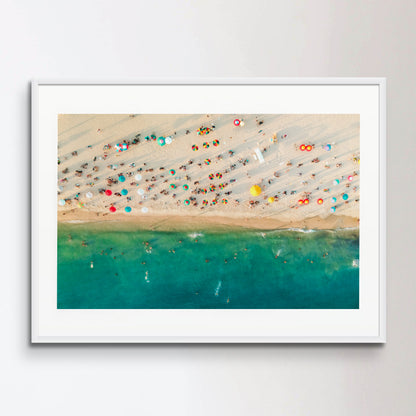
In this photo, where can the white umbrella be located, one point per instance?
(61, 202)
(88, 194)
(140, 191)
(138, 177)
(145, 209)
(168, 140)
(60, 188)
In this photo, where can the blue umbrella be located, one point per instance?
(334, 200)
(336, 182)
(124, 192)
(333, 209)
(121, 178)
(161, 141)
(328, 147)
(127, 209)
(345, 197)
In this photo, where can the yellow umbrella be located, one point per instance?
(270, 199)
(255, 190)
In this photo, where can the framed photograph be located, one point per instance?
(219, 210)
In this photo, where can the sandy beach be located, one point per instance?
(306, 168)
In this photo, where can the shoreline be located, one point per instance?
(177, 222)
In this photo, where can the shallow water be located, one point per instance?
(199, 269)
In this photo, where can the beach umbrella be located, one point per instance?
(172, 172)
(145, 210)
(81, 204)
(108, 192)
(255, 190)
(147, 138)
(61, 202)
(205, 202)
(194, 147)
(138, 177)
(127, 209)
(333, 209)
(88, 194)
(168, 140)
(204, 191)
(140, 191)
(212, 188)
(306, 201)
(172, 186)
(216, 143)
(218, 175)
(350, 178)
(224, 201)
(333, 200)
(113, 209)
(60, 188)
(121, 178)
(187, 202)
(207, 161)
(185, 187)
(221, 186)
(237, 122)
(206, 145)
(300, 202)
(308, 148)
(161, 141)
(320, 201)
(124, 146)
(302, 147)
(124, 192)
(336, 182)
(328, 147)
(211, 176)
(241, 123)
(214, 201)
(153, 137)
(270, 199)
(345, 197)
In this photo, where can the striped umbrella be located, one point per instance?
(216, 143)
(194, 147)
(212, 188)
(206, 145)
(211, 176)
(204, 191)
(207, 161)
(218, 175)
(224, 201)
(214, 201)
(205, 202)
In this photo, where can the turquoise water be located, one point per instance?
(221, 269)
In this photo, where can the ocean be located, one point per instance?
(117, 266)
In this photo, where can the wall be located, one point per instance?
(125, 40)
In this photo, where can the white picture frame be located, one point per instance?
(366, 96)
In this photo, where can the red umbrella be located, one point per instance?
(237, 122)
(112, 209)
(108, 192)
(302, 147)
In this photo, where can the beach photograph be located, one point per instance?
(208, 211)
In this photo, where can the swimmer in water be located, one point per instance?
(92, 265)
(84, 244)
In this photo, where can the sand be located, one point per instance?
(287, 174)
